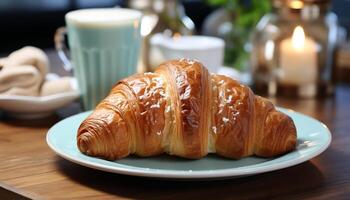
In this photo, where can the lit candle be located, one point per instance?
(298, 59)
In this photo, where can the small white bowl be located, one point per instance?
(31, 107)
(208, 50)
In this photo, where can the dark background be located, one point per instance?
(33, 22)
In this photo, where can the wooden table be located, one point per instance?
(29, 169)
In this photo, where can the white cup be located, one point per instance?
(207, 50)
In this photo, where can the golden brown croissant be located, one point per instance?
(183, 110)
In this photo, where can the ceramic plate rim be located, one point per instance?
(200, 174)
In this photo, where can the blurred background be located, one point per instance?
(27, 22)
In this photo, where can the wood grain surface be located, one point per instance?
(29, 169)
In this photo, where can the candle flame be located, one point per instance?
(176, 36)
(298, 38)
(296, 4)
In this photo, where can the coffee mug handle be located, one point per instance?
(61, 48)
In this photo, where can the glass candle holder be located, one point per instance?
(160, 16)
(293, 49)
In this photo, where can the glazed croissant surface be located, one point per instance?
(182, 110)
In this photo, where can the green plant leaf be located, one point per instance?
(247, 14)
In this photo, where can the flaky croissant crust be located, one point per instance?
(183, 110)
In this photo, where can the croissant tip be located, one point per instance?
(83, 142)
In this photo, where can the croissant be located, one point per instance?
(182, 110)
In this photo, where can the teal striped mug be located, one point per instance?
(104, 46)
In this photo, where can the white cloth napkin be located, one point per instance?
(63, 84)
(20, 80)
(23, 73)
(29, 56)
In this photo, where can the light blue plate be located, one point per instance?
(313, 138)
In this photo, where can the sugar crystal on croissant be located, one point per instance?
(182, 110)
